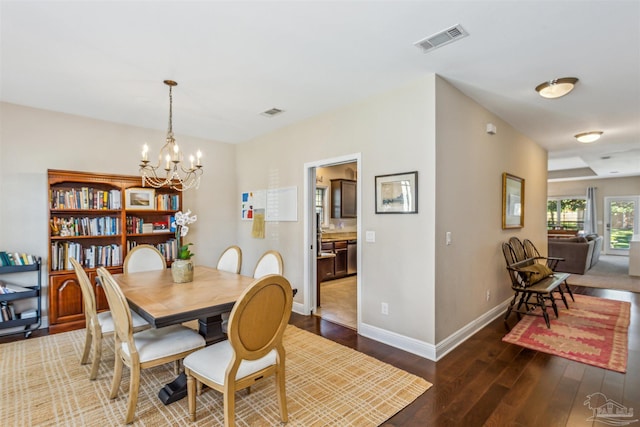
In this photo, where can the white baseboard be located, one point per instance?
(430, 351)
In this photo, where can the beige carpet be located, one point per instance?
(43, 384)
(611, 272)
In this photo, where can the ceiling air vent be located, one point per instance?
(442, 38)
(272, 112)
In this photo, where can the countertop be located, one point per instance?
(337, 236)
(323, 255)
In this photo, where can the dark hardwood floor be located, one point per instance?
(487, 382)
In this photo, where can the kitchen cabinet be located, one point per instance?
(340, 249)
(343, 198)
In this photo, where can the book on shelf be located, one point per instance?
(9, 288)
(28, 314)
(161, 226)
(16, 258)
(6, 312)
(147, 228)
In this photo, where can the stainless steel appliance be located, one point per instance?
(352, 257)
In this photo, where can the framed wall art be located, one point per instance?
(140, 199)
(512, 201)
(397, 193)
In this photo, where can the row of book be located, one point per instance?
(102, 226)
(167, 202)
(8, 312)
(169, 249)
(8, 288)
(90, 256)
(137, 225)
(85, 198)
(15, 258)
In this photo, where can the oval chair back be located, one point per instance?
(256, 328)
(143, 258)
(230, 260)
(269, 263)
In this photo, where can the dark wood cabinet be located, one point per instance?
(343, 198)
(340, 249)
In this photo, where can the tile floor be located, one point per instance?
(338, 300)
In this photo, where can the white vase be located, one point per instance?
(182, 270)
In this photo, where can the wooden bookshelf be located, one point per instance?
(91, 218)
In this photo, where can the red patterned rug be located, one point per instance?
(592, 331)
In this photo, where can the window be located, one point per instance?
(566, 213)
(321, 193)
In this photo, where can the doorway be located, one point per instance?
(333, 222)
(621, 223)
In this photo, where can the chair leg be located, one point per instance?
(176, 367)
(543, 305)
(229, 406)
(282, 395)
(134, 386)
(564, 299)
(87, 347)
(553, 304)
(569, 290)
(97, 355)
(117, 376)
(191, 394)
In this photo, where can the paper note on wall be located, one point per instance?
(250, 201)
(257, 231)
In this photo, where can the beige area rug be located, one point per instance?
(611, 272)
(43, 384)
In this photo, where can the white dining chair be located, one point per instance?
(269, 263)
(97, 325)
(230, 260)
(253, 351)
(140, 350)
(143, 258)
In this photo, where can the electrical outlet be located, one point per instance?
(488, 294)
(384, 308)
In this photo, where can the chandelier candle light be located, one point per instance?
(182, 267)
(170, 160)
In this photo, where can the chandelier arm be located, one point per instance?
(170, 161)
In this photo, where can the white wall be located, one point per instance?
(394, 132)
(33, 140)
(469, 167)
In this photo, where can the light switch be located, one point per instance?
(448, 237)
(370, 236)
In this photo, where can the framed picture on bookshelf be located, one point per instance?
(140, 199)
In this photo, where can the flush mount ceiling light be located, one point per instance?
(587, 137)
(557, 87)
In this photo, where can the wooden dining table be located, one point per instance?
(161, 302)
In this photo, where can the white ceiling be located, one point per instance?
(236, 59)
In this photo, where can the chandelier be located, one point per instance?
(171, 171)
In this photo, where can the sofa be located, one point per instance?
(579, 253)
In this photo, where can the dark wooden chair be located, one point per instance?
(552, 262)
(528, 294)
